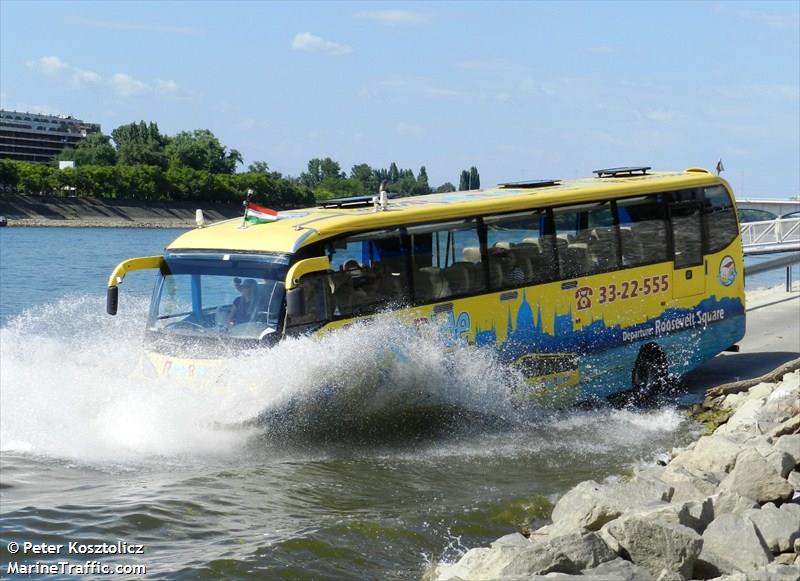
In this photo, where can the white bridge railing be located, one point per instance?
(782, 235)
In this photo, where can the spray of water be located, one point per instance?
(72, 387)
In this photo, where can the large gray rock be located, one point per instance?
(695, 514)
(590, 505)
(585, 506)
(746, 418)
(731, 503)
(791, 445)
(585, 549)
(782, 462)
(514, 555)
(617, 570)
(794, 480)
(715, 454)
(685, 491)
(790, 426)
(731, 544)
(651, 541)
(511, 540)
(705, 482)
(482, 564)
(753, 477)
(779, 527)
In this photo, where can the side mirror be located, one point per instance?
(295, 302)
(112, 300)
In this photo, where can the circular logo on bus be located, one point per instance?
(727, 271)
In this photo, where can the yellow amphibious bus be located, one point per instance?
(600, 284)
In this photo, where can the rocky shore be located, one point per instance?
(50, 211)
(726, 507)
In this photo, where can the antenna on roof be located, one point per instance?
(381, 201)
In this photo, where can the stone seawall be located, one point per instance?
(726, 507)
(39, 211)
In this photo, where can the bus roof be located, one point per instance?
(298, 228)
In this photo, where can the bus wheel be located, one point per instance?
(650, 372)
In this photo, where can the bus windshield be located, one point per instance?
(219, 294)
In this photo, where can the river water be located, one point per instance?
(92, 453)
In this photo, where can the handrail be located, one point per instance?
(780, 231)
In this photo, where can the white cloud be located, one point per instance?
(394, 16)
(49, 65)
(53, 66)
(122, 84)
(126, 86)
(168, 87)
(311, 43)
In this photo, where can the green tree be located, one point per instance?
(319, 170)
(200, 150)
(445, 187)
(140, 144)
(422, 182)
(463, 182)
(94, 149)
(368, 178)
(9, 174)
(35, 178)
(394, 174)
(258, 167)
(474, 178)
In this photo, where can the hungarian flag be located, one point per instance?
(255, 214)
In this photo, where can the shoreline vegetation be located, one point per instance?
(725, 507)
(138, 165)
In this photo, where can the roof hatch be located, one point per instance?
(529, 184)
(622, 172)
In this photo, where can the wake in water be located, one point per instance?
(72, 388)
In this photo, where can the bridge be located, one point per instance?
(778, 208)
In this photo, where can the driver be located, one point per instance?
(243, 306)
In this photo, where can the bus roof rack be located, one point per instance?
(618, 172)
(531, 184)
(349, 202)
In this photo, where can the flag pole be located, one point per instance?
(246, 204)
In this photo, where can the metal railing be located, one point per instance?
(782, 235)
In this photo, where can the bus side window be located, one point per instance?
(643, 230)
(369, 273)
(587, 240)
(316, 300)
(520, 253)
(719, 219)
(446, 260)
(687, 227)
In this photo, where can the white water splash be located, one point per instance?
(71, 389)
(70, 386)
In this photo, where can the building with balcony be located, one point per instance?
(39, 138)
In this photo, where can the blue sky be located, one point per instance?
(520, 89)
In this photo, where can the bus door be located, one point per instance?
(686, 223)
